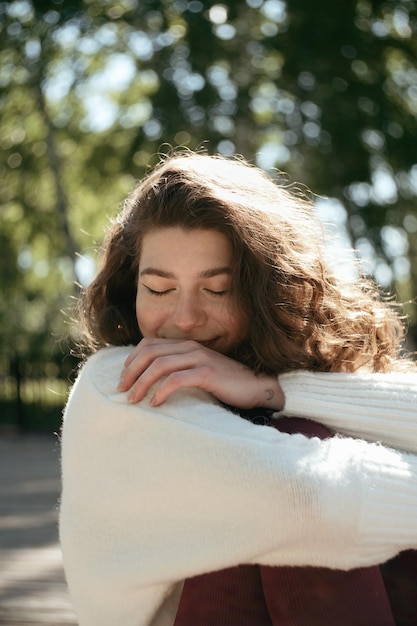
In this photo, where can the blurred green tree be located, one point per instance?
(90, 92)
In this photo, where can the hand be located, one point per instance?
(185, 363)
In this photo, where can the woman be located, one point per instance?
(218, 276)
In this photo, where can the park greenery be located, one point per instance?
(92, 91)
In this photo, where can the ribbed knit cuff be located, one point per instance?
(378, 407)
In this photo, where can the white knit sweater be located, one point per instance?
(153, 496)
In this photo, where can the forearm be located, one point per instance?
(154, 496)
(191, 473)
(188, 499)
(377, 407)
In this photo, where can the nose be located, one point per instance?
(189, 313)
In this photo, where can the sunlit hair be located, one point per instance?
(300, 314)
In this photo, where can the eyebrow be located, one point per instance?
(215, 271)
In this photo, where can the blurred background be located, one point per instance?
(92, 91)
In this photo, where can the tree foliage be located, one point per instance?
(91, 91)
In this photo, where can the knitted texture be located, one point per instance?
(153, 496)
(379, 407)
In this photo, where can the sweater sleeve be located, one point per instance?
(377, 407)
(153, 496)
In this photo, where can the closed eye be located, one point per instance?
(217, 293)
(153, 292)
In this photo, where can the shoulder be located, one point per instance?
(99, 377)
(102, 370)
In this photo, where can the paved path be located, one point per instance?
(32, 585)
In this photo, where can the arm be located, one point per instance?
(377, 407)
(151, 496)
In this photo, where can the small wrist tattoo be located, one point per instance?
(269, 394)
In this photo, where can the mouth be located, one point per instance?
(210, 343)
(207, 343)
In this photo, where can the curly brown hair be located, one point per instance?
(300, 314)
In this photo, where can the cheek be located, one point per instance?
(241, 329)
(151, 315)
(237, 324)
(242, 321)
(147, 320)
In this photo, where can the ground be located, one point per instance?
(32, 584)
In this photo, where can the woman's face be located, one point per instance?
(184, 282)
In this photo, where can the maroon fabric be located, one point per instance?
(286, 596)
(399, 574)
(231, 597)
(312, 596)
(400, 578)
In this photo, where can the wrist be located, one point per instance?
(270, 394)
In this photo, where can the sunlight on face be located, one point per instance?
(184, 288)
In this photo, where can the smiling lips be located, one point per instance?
(210, 343)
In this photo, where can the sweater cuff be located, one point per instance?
(377, 407)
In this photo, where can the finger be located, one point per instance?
(148, 342)
(159, 368)
(149, 353)
(139, 359)
(195, 377)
